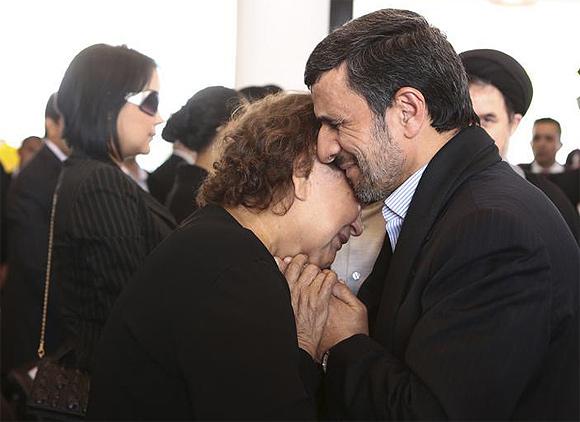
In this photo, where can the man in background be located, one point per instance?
(501, 92)
(28, 212)
(28, 149)
(546, 142)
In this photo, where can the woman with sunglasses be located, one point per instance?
(105, 224)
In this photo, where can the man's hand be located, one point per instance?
(347, 316)
(310, 290)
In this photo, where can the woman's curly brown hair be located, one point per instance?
(262, 146)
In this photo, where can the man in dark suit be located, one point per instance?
(4, 184)
(473, 303)
(546, 142)
(28, 210)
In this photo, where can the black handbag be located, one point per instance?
(58, 392)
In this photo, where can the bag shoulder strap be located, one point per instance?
(41, 351)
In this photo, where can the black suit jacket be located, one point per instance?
(569, 182)
(4, 184)
(105, 226)
(181, 201)
(476, 314)
(161, 180)
(527, 167)
(28, 212)
(559, 199)
(205, 331)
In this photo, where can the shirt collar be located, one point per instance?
(55, 150)
(187, 157)
(399, 201)
(554, 168)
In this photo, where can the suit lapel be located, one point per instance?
(469, 152)
(371, 291)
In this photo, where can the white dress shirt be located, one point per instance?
(397, 205)
(553, 169)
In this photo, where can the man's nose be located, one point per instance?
(327, 146)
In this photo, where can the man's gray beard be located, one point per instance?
(382, 173)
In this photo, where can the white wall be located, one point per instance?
(193, 43)
(275, 38)
(543, 37)
(236, 43)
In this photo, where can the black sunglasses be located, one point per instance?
(147, 101)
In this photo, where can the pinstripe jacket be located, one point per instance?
(105, 226)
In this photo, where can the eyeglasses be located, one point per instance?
(147, 101)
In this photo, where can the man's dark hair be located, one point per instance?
(92, 93)
(51, 112)
(390, 49)
(552, 121)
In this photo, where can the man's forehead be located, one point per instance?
(331, 93)
(545, 126)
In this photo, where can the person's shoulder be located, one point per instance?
(214, 240)
(42, 166)
(105, 174)
(500, 187)
(86, 179)
(218, 228)
(168, 166)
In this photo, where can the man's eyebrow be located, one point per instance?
(328, 120)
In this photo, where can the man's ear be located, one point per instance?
(515, 122)
(410, 110)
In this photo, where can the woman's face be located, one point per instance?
(136, 128)
(326, 212)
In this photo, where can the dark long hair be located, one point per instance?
(92, 93)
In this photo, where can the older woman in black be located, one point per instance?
(206, 330)
(105, 224)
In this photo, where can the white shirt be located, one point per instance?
(55, 150)
(553, 169)
(186, 156)
(355, 261)
(397, 205)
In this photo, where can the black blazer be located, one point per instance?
(475, 316)
(161, 180)
(559, 199)
(527, 167)
(105, 226)
(28, 212)
(4, 184)
(205, 331)
(181, 200)
(569, 182)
